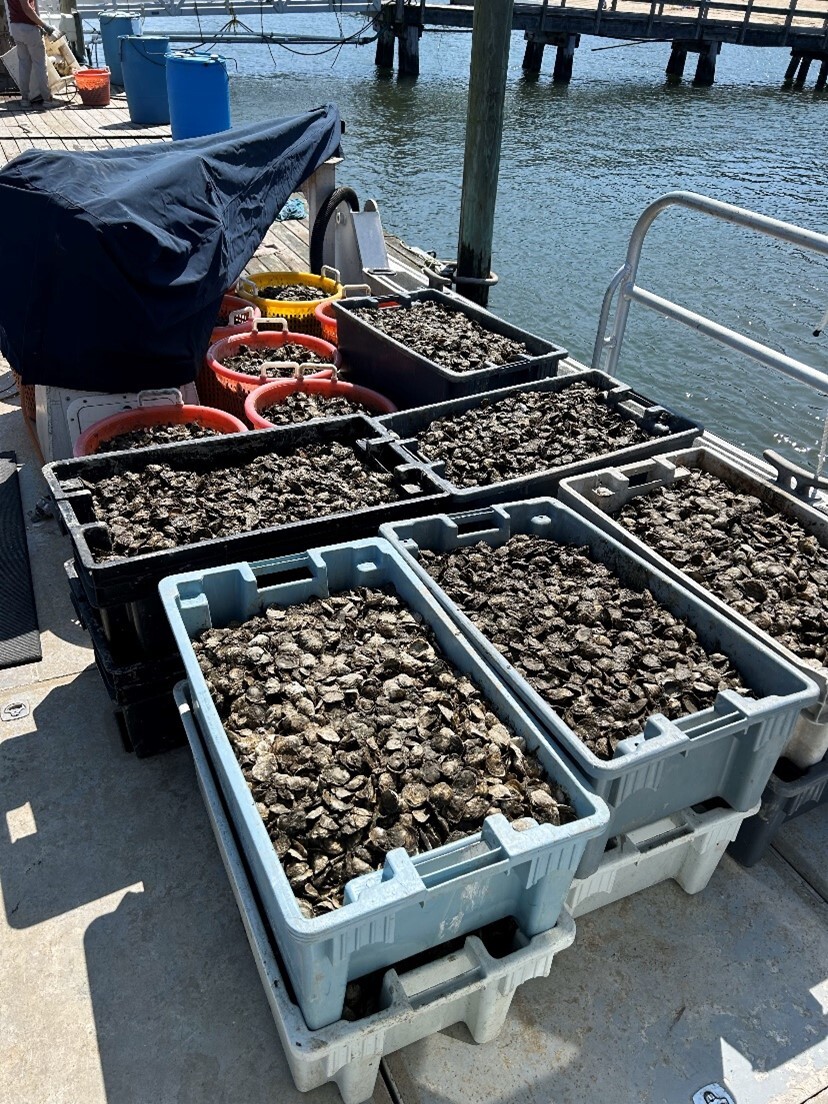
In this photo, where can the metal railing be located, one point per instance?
(607, 350)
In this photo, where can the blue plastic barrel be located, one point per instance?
(198, 89)
(144, 63)
(113, 25)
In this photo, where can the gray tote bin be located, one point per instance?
(600, 495)
(727, 751)
(412, 903)
(410, 379)
(666, 430)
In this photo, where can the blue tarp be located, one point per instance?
(115, 261)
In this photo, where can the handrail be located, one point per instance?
(623, 284)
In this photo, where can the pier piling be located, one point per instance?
(706, 67)
(564, 59)
(675, 66)
(533, 56)
(802, 75)
(384, 56)
(491, 35)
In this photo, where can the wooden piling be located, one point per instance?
(802, 75)
(706, 67)
(408, 63)
(675, 66)
(822, 76)
(793, 65)
(384, 55)
(564, 59)
(491, 34)
(533, 56)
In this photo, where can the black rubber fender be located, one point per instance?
(323, 217)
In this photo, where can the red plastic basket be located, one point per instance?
(92, 438)
(279, 390)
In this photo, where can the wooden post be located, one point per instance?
(793, 65)
(802, 75)
(409, 53)
(491, 35)
(675, 66)
(564, 59)
(706, 68)
(67, 8)
(384, 56)
(533, 56)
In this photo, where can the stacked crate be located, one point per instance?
(421, 928)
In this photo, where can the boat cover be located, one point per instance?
(116, 260)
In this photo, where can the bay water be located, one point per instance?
(578, 166)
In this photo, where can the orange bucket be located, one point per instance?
(93, 86)
(127, 420)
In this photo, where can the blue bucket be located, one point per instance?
(145, 77)
(198, 89)
(113, 25)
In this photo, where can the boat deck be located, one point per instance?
(127, 977)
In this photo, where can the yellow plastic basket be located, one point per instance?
(300, 315)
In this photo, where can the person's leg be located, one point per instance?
(41, 79)
(24, 58)
(33, 78)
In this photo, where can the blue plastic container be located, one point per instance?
(198, 89)
(144, 65)
(413, 903)
(113, 26)
(726, 751)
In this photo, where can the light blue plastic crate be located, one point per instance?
(413, 903)
(601, 494)
(726, 751)
(466, 985)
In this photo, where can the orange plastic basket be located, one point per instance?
(93, 86)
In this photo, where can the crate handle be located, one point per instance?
(464, 966)
(270, 325)
(356, 289)
(171, 394)
(286, 570)
(793, 477)
(289, 367)
(239, 315)
(477, 522)
(333, 274)
(247, 287)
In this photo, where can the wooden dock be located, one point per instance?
(696, 26)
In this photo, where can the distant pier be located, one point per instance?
(697, 27)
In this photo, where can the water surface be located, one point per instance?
(579, 164)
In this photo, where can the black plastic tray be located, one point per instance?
(141, 693)
(124, 590)
(668, 430)
(789, 793)
(378, 361)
